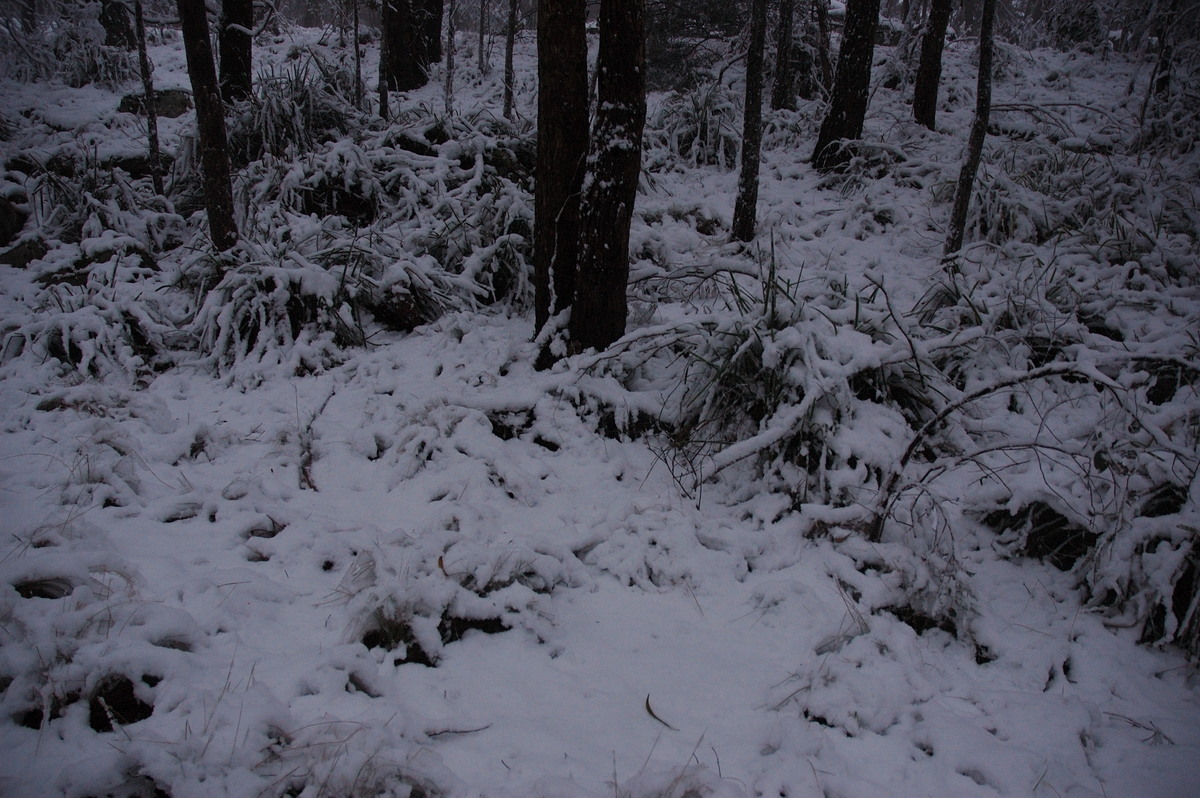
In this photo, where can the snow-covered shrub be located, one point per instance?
(72, 50)
(307, 288)
(698, 127)
(337, 179)
(292, 112)
(812, 388)
(1085, 442)
(71, 193)
(93, 313)
(479, 231)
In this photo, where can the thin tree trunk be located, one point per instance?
(745, 208)
(358, 81)
(234, 47)
(561, 152)
(929, 69)
(599, 313)
(783, 93)
(821, 9)
(510, 40)
(383, 76)
(210, 118)
(851, 87)
(983, 106)
(483, 62)
(139, 25)
(451, 31)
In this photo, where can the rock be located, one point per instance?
(137, 165)
(24, 252)
(12, 220)
(168, 103)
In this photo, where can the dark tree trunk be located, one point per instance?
(400, 67)
(451, 32)
(139, 24)
(561, 152)
(745, 208)
(29, 16)
(358, 81)
(429, 17)
(851, 87)
(412, 30)
(783, 94)
(214, 149)
(118, 30)
(234, 47)
(483, 61)
(983, 105)
(929, 68)
(614, 165)
(384, 61)
(510, 40)
(821, 11)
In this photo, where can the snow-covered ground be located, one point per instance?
(423, 568)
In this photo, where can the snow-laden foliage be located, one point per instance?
(72, 50)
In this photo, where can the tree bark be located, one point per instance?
(983, 105)
(118, 31)
(821, 11)
(783, 94)
(234, 47)
(851, 87)
(745, 208)
(358, 81)
(929, 68)
(510, 40)
(561, 152)
(614, 165)
(483, 61)
(430, 13)
(412, 30)
(214, 147)
(451, 32)
(139, 25)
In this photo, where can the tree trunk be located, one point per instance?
(139, 24)
(614, 164)
(451, 32)
(118, 31)
(214, 148)
(384, 61)
(430, 20)
(413, 33)
(561, 152)
(983, 105)
(358, 81)
(783, 94)
(929, 69)
(510, 40)
(851, 87)
(29, 16)
(821, 11)
(234, 46)
(483, 61)
(745, 208)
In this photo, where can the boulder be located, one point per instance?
(168, 103)
(12, 220)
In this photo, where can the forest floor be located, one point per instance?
(421, 567)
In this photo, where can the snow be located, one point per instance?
(422, 567)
